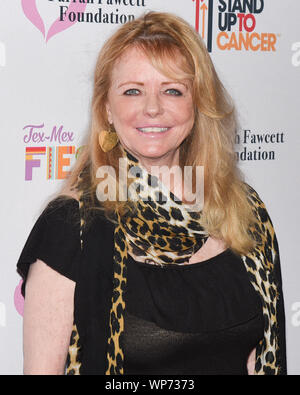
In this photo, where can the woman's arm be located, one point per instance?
(251, 362)
(48, 320)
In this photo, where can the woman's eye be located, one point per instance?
(174, 92)
(132, 92)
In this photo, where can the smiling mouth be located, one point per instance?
(153, 129)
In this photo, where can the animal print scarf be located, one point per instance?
(163, 231)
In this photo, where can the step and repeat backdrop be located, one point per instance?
(48, 50)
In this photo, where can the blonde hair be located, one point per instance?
(227, 213)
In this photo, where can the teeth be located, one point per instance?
(152, 130)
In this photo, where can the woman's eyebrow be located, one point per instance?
(131, 82)
(163, 83)
(175, 82)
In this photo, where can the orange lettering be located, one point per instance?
(220, 36)
(248, 41)
(61, 161)
(255, 47)
(264, 41)
(232, 42)
(244, 41)
(272, 42)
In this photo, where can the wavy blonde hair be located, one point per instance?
(227, 214)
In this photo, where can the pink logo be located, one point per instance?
(18, 299)
(31, 12)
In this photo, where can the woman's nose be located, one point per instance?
(153, 105)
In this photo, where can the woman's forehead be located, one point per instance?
(134, 59)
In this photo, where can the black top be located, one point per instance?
(202, 318)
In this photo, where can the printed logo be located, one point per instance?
(31, 12)
(204, 14)
(255, 146)
(57, 158)
(235, 26)
(100, 11)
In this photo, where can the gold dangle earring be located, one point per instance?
(108, 139)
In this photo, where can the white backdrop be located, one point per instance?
(47, 58)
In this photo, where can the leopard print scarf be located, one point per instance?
(163, 234)
(161, 230)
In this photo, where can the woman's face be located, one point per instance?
(151, 113)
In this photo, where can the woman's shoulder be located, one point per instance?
(257, 203)
(65, 199)
(54, 239)
(252, 194)
(58, 210)
(263, 230)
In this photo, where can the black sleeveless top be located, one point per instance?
(201, 318)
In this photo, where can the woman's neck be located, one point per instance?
(153, 165)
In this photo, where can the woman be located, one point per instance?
(145, 284)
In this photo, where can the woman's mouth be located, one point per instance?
(153, 129)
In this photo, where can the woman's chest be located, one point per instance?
(198, 319)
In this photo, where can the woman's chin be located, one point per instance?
(152, 153)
